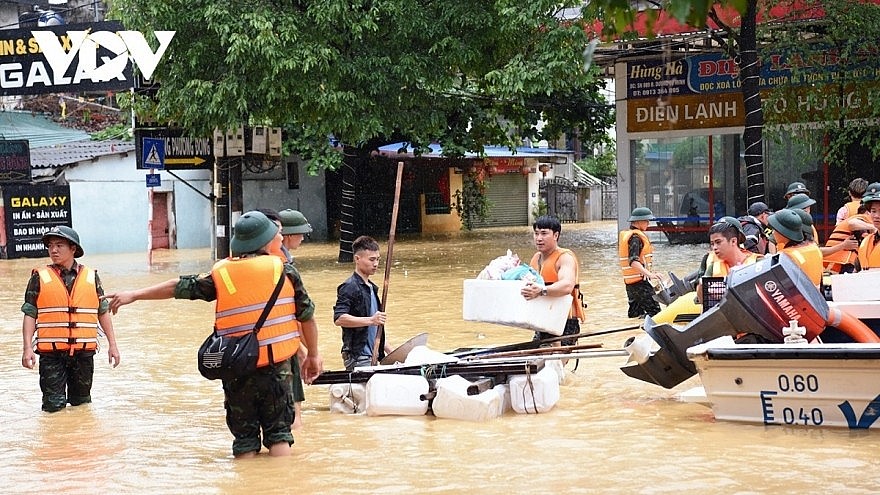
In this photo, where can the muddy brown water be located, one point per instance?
(156, 426)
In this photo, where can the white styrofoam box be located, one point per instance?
(452, 401)
(504, 391)
(348, 398)
(557, 366)
(397, 395)
(860, 309)
(855, 286)
(500, 301)
(535, 393)
(420, 354)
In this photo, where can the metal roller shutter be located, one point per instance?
(509, 194)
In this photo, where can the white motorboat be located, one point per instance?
(791, 384)
(821, 377)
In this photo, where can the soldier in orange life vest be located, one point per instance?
(62, 308)
(856, 190)
(846, 238)
(289, 243)
(869, 255)
(788, 229)
(636, 261)
(560, 270)
(242, 285)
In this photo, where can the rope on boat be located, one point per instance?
(531, 389)
(350, 396)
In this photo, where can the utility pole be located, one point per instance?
(221, 206)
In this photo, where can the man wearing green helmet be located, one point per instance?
(63, 310)
(259, 405)
(636, 261)
(294, 228)
(869, 255)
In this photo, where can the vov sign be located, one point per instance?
(77, 57)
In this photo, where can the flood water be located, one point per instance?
(156, 426)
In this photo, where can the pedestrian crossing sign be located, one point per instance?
(154, 153)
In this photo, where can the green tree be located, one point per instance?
(463, 73)
(602, 164)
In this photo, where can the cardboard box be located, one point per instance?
(499, 301)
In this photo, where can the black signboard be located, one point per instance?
(15, 161)
(181, 152)
(27, 71)
(30, 211)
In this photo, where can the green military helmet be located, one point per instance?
(806, 221)
(797, 188)
(788, 223)
(252, 231)
(641, 213)
(64, 232)
(294, 222)
(872, 193)
(733, 222)
(799, 202)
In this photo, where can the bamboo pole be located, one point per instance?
(388, 258)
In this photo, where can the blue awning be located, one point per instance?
(405, 150)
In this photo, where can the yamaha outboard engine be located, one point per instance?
(761, 299)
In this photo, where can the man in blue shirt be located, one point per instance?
(357, 307)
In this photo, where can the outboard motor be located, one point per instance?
(676, 289)
(761, 299)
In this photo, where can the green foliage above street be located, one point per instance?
(603, 163)
(460, 72)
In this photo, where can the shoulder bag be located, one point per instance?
(227, 357)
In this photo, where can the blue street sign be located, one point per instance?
(154, 180)
(154, 153)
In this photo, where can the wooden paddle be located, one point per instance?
(381, 329)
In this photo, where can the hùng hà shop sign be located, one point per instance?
(77, 57)
(29, 212)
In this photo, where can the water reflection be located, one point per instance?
(156, 426)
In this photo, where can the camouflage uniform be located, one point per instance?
(258, 401)
(263, 400)
(63, 378)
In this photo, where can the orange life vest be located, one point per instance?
(549, 274)
(869, 255)
(835, 261)
(67, 322)
(244, 286)
(780, 246)
(852, 208)
(809, 258)
(646, 256)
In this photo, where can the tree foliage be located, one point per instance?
(603, 163)
(460, 72)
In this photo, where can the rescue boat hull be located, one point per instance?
(813, 385)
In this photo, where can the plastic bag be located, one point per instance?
(496, 268)
(523, 272)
